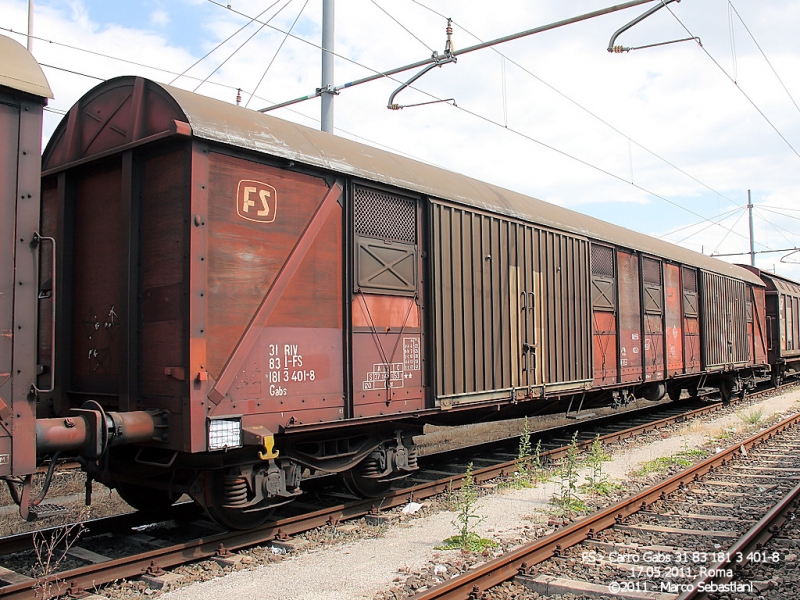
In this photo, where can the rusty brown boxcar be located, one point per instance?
(244, 301)
(782, 323)
(23, 94)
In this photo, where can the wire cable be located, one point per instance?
(583, 108)
(215, 48)
(730, 229)
(752, 37)
(750, 100)
(718, 219)
(770, 210)
(244, 43)
(733, 42)
(491, 121)
(779, 207)
(71, 71)
(406, 29)
(780, 230)
(118, 59)
(274, 56)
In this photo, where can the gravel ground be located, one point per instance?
(394, 561)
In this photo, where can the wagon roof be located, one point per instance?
(20, 71)
(779, 282)
(224, 123)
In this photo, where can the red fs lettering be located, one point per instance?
(256, 201)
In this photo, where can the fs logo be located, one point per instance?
(256, 201)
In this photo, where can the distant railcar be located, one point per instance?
(243, 300)
(782, 324)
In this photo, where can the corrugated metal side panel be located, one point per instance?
(476, 343)
(565, 351)
(512, 306)
(724, 320)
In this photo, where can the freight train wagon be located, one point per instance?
(261, 301)
(782, 324)
(23, 94)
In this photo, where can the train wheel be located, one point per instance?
(655, 392)
(365, 487)
(144, 499)
(776, 378)
(726, 390)
(675, 394)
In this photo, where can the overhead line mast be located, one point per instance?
(436, 57)
(327, 88)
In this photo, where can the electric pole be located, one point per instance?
(327, 91)
(30, 26)
(752, 238)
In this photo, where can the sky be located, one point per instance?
(665, 140)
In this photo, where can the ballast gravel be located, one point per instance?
(401, 557)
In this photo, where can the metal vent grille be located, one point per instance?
(386, 216)
(689, 280)
(651, 271)
(602, 261)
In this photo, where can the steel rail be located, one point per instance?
(752, 540)
(505, 567)
(23, 541)
(93, 575)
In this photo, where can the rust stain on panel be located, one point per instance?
(371, 310)
(630, 343)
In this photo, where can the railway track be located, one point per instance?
(677, 537)
(193, 540)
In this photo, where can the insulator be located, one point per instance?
(238, 96)
(620, 49)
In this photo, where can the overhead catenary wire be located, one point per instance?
(218, 84)
(71, 72)
(566, 154)
(406, 29)
(781, 231)
(730, 229)
(244, 43)
(274, 56)
(738, 87)
(732, 37)
(755, 41)
(119, 59)
(718, 218)
(772, 210)
(389, 75)
(581, 107)
(223, 42)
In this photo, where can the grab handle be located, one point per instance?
(38, 239)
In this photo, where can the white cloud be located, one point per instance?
(159, 18)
